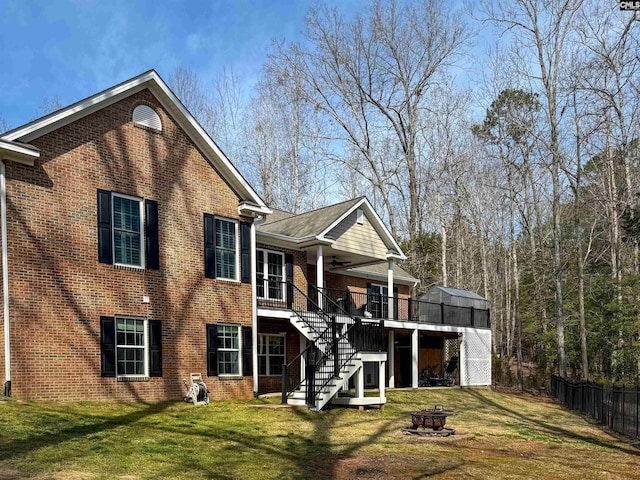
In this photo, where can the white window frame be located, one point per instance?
(113, 230)
(266, 354)
(145, 347)
(221, 349)
(237, 248)
(265, 273)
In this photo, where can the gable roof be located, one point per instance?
(309, 224)
(316, 224)
(251, 201)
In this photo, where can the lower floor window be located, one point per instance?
(130, 346)
(271, 354)
(228, 349)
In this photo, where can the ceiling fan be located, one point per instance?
(338, 263)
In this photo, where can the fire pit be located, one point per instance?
(430, 421)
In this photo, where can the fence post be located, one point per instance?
(637, 410)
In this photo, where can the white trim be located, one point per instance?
(218, 350)
(248, 209)
(18, 153)
(359, 216)
(143, 257)
(5, 274)
(266, 355)
(237, 256)
(168, 100)
(145, 347)
(254, 311)
(265, 273)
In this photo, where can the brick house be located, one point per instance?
(134, 253)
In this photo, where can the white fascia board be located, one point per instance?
(297, 243)
(80, 109)
(169, 101)
(375, 276)
(18, 153)
(364, 202)
(247, 209)
(233, 175)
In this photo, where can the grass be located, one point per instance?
(498, 436)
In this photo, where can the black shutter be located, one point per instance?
(212, 350)
(209, 246)
(105, 254)
(107, 347)
(245, 252)
(247, 358)
(288, 272)
(155, 348)
(395, 303)
(151, 234)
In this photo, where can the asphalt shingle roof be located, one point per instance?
(305, 224)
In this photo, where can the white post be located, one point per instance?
(320, 273)
(5, 279)
(381, 379)
(390, 289)
(391, 359)
(359, 382)
(414, 359)
(254, 309)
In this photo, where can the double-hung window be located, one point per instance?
(270, 275)
(128, 237)
(228, 350)
(226, 249)
(271, 354)
(131, 346)
(128, 232)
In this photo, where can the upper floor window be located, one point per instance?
(270, 274)
(128, 236)
(147, 117)
(128, 230)
(359, 217)
(226, 249)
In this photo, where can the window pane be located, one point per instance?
(127, 231)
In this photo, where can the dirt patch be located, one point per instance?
(388, 467)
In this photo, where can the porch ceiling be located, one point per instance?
(328, 252)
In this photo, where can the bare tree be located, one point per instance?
(372, 77)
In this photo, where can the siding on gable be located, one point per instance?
(360, 239)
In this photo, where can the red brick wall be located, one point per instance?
(269, 384)
(59, 290)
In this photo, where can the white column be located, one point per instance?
(414, 358)
(5, 278)
(254, 309)
(390, 288)
(391, 359)
(359, 382)
(319, 272)
(381, 379)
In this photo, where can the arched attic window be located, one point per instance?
(147, 117)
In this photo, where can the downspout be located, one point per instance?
(254, 310)
(5, 281)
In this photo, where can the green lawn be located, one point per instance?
(499, 436)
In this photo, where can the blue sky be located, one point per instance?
(71, 49)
